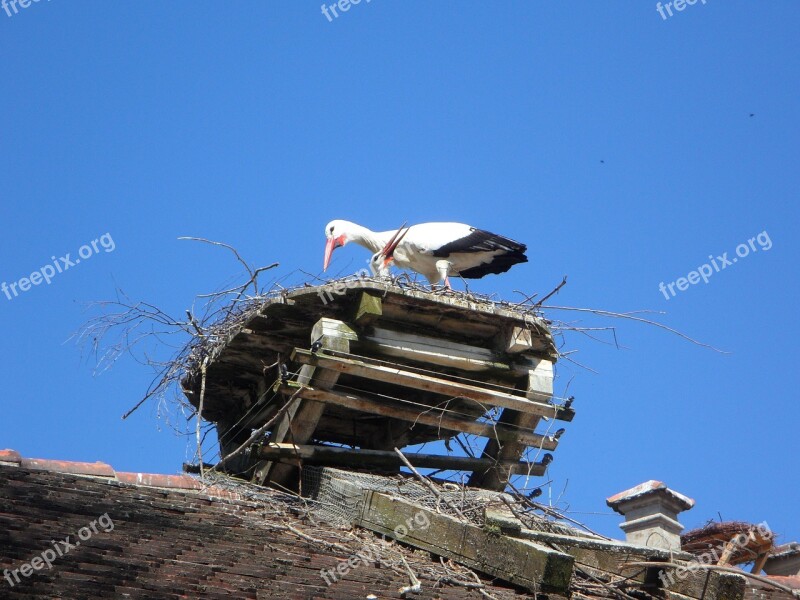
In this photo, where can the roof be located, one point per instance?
(138, 535)
(77, 530)
(785, 550)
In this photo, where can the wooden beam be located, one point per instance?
(758, 564)
(368, 310)
(300, 421)
(520, 339)
(540, 388)
(363, 367)
(701, 584)
(425, 415)
(605, 555)
(431, 350)
(336, 456)
(727, 553)
(519, 562)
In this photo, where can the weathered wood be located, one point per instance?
(336, 456)
(608, 556)
(699, 583)
(363, 367)
(368, 310)
(329, 331)
(520, 562)
(298, 424)
(760, 561)
(425, 415)
(285, 321)
(424, 303)
(540, 388)
(727, 552)
(520, 339)
(430, 350)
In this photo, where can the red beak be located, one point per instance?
(330, 246)
(391, 246)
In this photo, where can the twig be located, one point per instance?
(630, 316)
(483, 592)
(428, 483)
(194, 323)
(552, 512)
(555, 291)
(607, 586)
(527, 298)
(314, 540)
(223, 245)
(252, 272)
(416, 585)
(257, 433)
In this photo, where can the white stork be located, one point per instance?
(436, 250)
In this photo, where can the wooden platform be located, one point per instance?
(375, 367)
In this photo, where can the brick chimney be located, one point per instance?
(651, 514)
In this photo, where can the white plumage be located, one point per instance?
(435, 250)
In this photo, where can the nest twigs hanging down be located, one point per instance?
(129, 324)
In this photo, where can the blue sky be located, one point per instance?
(618, 145)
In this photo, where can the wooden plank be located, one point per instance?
(540, 387)
(425, 415)
(431, 350)
(336, 456)
(516, 561)
(362, 367)
(300, 420)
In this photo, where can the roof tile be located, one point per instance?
(10, 456)
(97, 469)
(183, 482)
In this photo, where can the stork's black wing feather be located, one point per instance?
(511, 252)
(479, 240)
(499, 264)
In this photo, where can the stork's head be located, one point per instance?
(379, 264)
(337, 234)
(443, 267)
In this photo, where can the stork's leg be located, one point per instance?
(447, 283)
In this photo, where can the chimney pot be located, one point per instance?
(651, 514)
